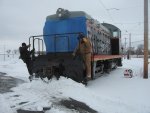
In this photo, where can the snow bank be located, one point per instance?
(111, 93)
(4, 106)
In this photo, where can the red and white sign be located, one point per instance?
(128, 73)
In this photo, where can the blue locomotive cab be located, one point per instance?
(61, 30)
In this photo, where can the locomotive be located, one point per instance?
(60, 37)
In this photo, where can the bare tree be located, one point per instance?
(139, 50)
(132, 50)
(8, 52)
(15, 51)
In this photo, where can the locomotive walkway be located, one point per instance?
(106, 57)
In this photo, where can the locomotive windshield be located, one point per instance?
(116, 34)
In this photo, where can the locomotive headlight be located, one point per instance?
(62, 13)
(59, 12)
(59, 15)
(59, 9)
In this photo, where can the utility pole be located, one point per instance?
(130, 46)
(125, 47)
(145, 39)
(4, 52)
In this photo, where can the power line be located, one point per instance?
(137, 41)
(130, 7)
(135, 34)
(106, 10)
(130, 23)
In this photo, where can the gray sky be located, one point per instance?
(20, 19)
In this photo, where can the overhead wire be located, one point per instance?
(106, 10)
(137, 41)
(135, 34)
(130, 23)
(122, 8)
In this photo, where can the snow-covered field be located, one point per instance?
(111, 93)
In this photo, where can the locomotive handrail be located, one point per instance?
(33, 44)
(42, 45)
(30, 41)
(67, 35)
(38, 44)
(33, 38)
(56, 34)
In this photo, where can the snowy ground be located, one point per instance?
(111, 93)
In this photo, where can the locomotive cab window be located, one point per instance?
(115, 34)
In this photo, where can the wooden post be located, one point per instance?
(130, 46)
(145, 39)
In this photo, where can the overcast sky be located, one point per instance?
(20, 19)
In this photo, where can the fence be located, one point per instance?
(6, 57)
